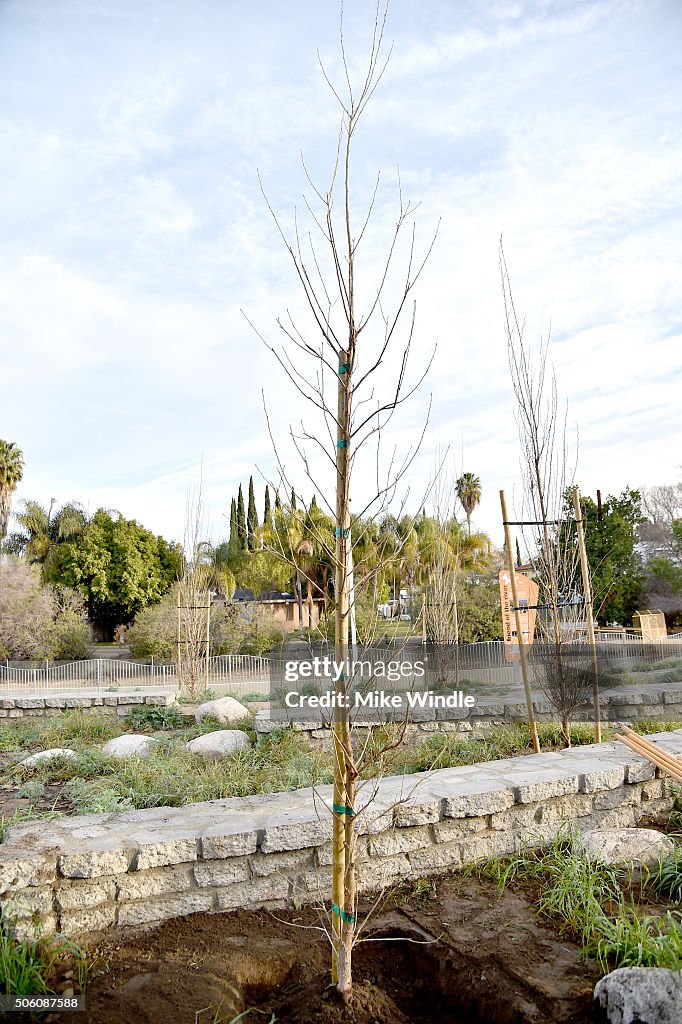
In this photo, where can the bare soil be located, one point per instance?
(468, 954)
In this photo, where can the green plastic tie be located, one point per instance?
(339, 532)
(348, 918)
(343, 443)
(342, 809)
(344, 368)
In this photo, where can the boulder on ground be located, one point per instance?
(129, 745)
(220, 744)
(640, 847)
(47, 755)
(225, 709)
(645, 995)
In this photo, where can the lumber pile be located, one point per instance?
(661, 758)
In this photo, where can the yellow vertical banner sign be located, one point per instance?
(527, 593)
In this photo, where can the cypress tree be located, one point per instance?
(241, 520)
(267, 514)
(313, 503)
(293, 500)
(278, 503)
(233, 547)
(252, 519)
(518, 554)
(234, 531)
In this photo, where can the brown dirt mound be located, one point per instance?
(469, 955)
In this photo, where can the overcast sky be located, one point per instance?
(134, 232)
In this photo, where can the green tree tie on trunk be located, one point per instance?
(342, 809)
(343, 914)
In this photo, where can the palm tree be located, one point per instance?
(11, 472)
(469, 493)
(43, 529)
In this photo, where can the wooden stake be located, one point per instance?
(208, 631)
(179, 645)
(654, 758)
(519, 632)
(589, 613)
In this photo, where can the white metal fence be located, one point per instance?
(481, 663)
(241, 672)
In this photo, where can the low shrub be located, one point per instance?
(32, 789)
(156, 716)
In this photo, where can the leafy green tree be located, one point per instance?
(252, 519)
(118, 566)
(170, 560)
(241, 521)
(469, 493)
(11, 472)
(610, 541)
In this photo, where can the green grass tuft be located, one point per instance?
(587, 899)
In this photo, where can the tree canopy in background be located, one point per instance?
(117, 565)
(615, 564)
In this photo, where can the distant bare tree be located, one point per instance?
(547, 475)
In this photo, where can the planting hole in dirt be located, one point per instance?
(468, 953)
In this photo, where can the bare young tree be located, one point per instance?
(547, 475)
(353, 344)
(193, 601)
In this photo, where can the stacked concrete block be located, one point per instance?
(87, 874)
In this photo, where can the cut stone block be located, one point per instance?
(636, 846)
(147, 911)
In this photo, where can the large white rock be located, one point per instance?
(129, 745)
(641, 847)
(225, 709)
(641, 995)
(47, 755)
(219, 744)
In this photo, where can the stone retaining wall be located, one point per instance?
(81, 875)
(625, 705)
(114, 703)
(651, 702)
